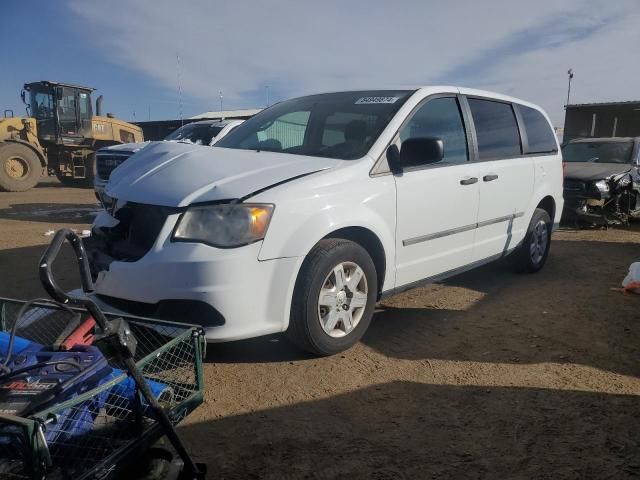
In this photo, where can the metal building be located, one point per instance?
(611, 119)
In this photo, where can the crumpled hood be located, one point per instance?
(592, 171)
(178, 174)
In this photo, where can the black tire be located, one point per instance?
(20, 167)
(523, 260)
(305, 328)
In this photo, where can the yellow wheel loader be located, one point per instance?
(59, 136)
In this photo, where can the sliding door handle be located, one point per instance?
(490, 177)
(468, 181)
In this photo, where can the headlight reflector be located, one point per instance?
(224, 225)
(602, 185)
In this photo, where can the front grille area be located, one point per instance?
(106, 162)
(132, 238)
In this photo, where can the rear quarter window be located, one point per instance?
(496, 129)
(540, 136)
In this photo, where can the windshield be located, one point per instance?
(41, 103)
(334, 125)
(197, 133)
(598, 152)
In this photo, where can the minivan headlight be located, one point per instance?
(224, 225)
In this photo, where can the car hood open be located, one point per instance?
(178, 174)
(591, 171)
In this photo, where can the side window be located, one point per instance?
(540, 136)
(85, 104)
(284, 132)
(496, 129)
(440, 118)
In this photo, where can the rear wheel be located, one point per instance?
(532, 254)
(334, 297)
(20, 167)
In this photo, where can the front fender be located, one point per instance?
(548, 182)
(298, 225)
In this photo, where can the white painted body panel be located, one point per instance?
(178, 174)
(508, 195)
(431, 201)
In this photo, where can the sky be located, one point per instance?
(162, 59)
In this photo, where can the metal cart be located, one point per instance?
(152, 380)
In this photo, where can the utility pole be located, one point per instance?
(220, 92)
(179, 90)
(570, 73)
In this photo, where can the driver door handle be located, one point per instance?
(468, 181)
(490, 177)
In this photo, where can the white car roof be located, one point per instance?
(431, 89)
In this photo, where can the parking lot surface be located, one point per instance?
(486, 375)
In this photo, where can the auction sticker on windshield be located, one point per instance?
(369, 100)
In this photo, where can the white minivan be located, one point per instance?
(319, 206)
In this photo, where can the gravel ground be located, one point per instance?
(487, 375)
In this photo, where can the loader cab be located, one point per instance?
(62, 111)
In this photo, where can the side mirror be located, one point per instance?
(421, 151)
(23, 96)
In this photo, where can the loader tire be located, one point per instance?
(20, 167)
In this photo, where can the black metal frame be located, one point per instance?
(116, 340)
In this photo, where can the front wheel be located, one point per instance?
(20, 167)
(532, 253)
(334, 297)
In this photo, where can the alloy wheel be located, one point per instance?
(342, 299)
(539, 241)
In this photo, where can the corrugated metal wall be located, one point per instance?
(620, 120)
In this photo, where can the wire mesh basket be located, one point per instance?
(87, 434)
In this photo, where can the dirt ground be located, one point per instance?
(487, 375)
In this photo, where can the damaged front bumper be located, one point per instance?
(603, 202)
(229, 292)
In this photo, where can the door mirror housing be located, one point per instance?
(420, 151)
(23, 96)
